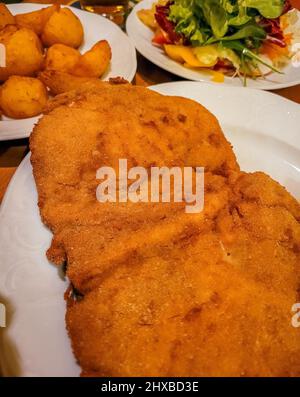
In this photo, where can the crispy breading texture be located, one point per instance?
(158, 292)
(176, 319)
(99, 126)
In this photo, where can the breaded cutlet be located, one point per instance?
(157, 291)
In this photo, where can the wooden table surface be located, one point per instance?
(12, 152)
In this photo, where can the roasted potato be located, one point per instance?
(94, 62)
(36, 20)
(59, 82)
(6, 17)
(63, 27)
(61, 57)
(24, 53)
(22, 97)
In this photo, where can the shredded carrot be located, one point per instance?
(288, 37)
(273, 51)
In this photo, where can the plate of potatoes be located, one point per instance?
(47, 50)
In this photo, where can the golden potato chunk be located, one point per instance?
(6, 17)
(61, 57)
(24, 53)
(94, 62)
(63, 27)
(22, 97)
(59, 82)
(36, 20)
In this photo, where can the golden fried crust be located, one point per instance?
(210, 301)
(260, 230)
(174, 319)
(261, 189)
(161, 292)
(95, 251)
(98, 127)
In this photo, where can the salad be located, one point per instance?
(245, 38)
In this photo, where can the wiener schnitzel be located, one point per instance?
(156, 291)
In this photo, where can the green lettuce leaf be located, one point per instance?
(215, 15)
(209, 21)
(267, 8)
(187, 22)
(249, 30)
(241, 18)
(180, 11)
(228, 6)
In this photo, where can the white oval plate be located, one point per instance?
(264, 131)
(141, 36)
(96, 27)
